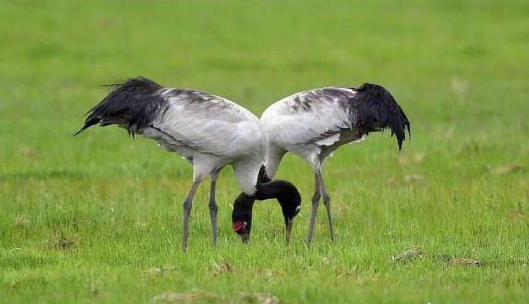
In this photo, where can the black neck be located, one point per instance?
(286, 194)
(244, 203)
(263, 177)
(273, 189)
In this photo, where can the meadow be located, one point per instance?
(97, 218)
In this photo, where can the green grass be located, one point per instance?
(83, 219)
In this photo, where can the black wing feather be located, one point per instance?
(377, 109)
(133, 105)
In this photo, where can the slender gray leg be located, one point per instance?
(187, 212)
(213, 208)
(326, 202)
(314, 210)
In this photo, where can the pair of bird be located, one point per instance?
(212, 132)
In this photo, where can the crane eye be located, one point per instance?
(296, 211)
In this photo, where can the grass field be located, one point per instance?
(96, 218)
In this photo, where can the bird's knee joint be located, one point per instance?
(316, 198)
(213, 207)
(187, 206)
(326, 199)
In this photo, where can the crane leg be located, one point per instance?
(213, 208)
(326, 202)
(188, 202)
(315, 203)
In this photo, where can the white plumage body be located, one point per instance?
(210, 134)
(311, 124)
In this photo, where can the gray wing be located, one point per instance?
(206, 123)
(316, 116)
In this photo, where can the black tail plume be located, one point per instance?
(379, 110)
(131, 105)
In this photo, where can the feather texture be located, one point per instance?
(376, 109)
(132, 105)
(208, 130)
(328, 116)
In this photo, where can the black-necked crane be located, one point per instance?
(314, 123)
(210, 132)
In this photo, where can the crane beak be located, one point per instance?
(288, 229)
(245, 237)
